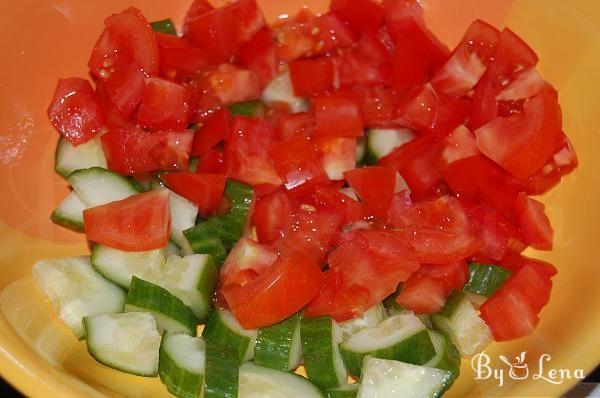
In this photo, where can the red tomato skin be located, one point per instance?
(337, 155)
(197, 9)
(216, 129)
(138, 223)
(165, 105)
(325, 196)
(203, 189)
(212, 162)
(534, 223)
(291, 283)
(247, 152)
(179, 59)
(246, 261)
(75, 111)
(516, 261)
(352, 68)
(528, 139)
(372, 46)
(297, 164)
(422, 294)
(272, 214)
(374, 185)
(338, 117)
(302, 124)
(511, 312)
(360, 14)
(259, 56)
(230, 84)
(312, 77)
(378, 104)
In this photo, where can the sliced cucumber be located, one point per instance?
(165, 26)
(347, 391)
(221, 375)
(446, 356)
(97, 186)
(203, 238)
(76, 290)
(181, 364)
(247, 108)
(119, 266)
(169, 311)
(259, 382)
(380, 142)
(278, 346)
(222, 328)
(280, 89)
(460, 322)
(183, 216)
(320, 346)
(390, 303)
(383, 378)
(401, 337)
(69, 158)
(128, 342)
(369, 319)
(485, 279)
(190, 278)
(69, 213)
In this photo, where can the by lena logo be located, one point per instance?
(519, 369)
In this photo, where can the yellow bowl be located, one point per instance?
(43, 40)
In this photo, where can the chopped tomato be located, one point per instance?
(75, 111)
(338, 117)
(272, 215)
(527, 84)
(113, 118)
(353, 68)
(360, 14)
(259, 56)
(138, 223)
(221, 31)
(516, 261)
(291, 283)
(231, 84)
(374, 185)
(460, 144)
(427, 111)
(247, 152)
(378, 104)
(298, 165)
(337, 155)
(353, 210)
(178, 58)
(135, 150)
(493, 230)
(523, 143)
(165, 105)
(203, 189)
(212, 162)
(216, 129)
(512, 311)
(312, 77)
(341, 303)
(469, 60)
(374, 45)
(294, 124)
(246, 261)
(534, 223)
(197, 9)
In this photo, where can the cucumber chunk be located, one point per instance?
(120, 266)
(446, 356)
(384, 378)
(370, 318)
(380, 142)
(69, 158)
(69, 213)
(222, 328)
(347, 391)
(183, 216)
(280, 89)
(278, 346)
(221, 375)
(169, 311)
(181, 364)
(401, 337)
(259, 382)
(127, 342)
(485, 279)
(97, 186)
(320, 345)
(460, 322)
(76, 290)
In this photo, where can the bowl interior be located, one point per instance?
(47, 39)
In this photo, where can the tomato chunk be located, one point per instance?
(178, 58)
(230, 84)
(533, 222)
(338, 117)
(259, 56)
(75, 111)
(205, 190)
(246, 261)
(138, 223)
(337, 155)
(374, 185)
(312, 77)
(360, 14)
(292, 281)
(216, 129)
(165, 105)
(272, 215)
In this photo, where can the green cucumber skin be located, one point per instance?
(390, 301)
(370, 159)
(349, 391)
(316, 335)
(450, 360)
(57, 219)
(178, 381)
(404, 351)
(138, 297)
(217, 332)
(165, 26)
(221, 375)
(274, 344)
(208, 284)
(247, 108)
(485, 279)
(203, 239)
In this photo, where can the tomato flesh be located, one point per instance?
(203, 189)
